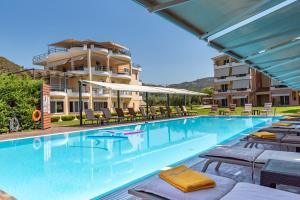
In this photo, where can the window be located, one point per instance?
(124, 105)
(224, 88)
(284, 100)
(224, 102)
(244, 101)
(99, 105)
(74, 106)
(56, 106)
(126, 70)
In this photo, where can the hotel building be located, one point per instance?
(68, 61)
(237, 83)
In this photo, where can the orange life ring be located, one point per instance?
(36, 115)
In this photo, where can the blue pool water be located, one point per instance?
(88, 164)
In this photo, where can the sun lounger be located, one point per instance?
(89, 114)
(186, 112)
(107, 115)
(214, 110)
(254, 158)
(231, 109)
(163, 112)
(133, 114)
(226, 189)
(153, 114)
(281, 140)
(143, 113)
(121, 115)
(171, 113)
(179, 111)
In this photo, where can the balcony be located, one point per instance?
(75, 93)
(57, 90)
(121, 75)
(123, 94)
(232, 78)
(101, 71)
(220, 91)
(100, 93)
(41, 58)
(279, 87)
(233, 64)
(121, 54)
(79, 71)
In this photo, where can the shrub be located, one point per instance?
(97, 115)
(55, 118)
(78, 116)
(67, 117)
(19, 97)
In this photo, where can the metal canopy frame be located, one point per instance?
(133, 88)
(238, 34)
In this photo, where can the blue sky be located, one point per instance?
(167, 53)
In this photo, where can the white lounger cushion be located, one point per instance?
(247, 191)
(277, 155)
(159, 187)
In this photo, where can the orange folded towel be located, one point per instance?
(186, 179)
(264, 135)
(281, 124)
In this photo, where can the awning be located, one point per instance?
(139, 88)
(280, 94)
(222, 72)
(263, 34)
(58, 62)
(240, 97)
(76, 58)
(241, 84)
(219, 98)
(240, 70)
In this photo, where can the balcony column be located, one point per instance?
(89, 64)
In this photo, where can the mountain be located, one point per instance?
(8, 66)
(196, 85)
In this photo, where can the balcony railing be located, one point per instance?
(121, 52)
(43, 56)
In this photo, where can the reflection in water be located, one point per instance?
(47, 148)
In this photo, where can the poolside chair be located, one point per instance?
(267, 109)
(107, 115)
(155, 188)
(121, 115)
(186, 112)
(231, 109)
(134, 115)
(89, 113)
(254, 158)
(163, 112)
(214, 109)
(247, 109)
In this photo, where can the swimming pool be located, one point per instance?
(85, 165)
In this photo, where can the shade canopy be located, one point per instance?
(264, 34)
(140, 88)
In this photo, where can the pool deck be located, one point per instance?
(235, 172)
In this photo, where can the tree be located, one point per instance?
(19, 97)
(208, 90)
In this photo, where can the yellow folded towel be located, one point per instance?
(295, 115)
(186, 180)
(281, 124)
(264, 135)
(290, 118)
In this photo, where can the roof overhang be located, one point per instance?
(264, 34)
